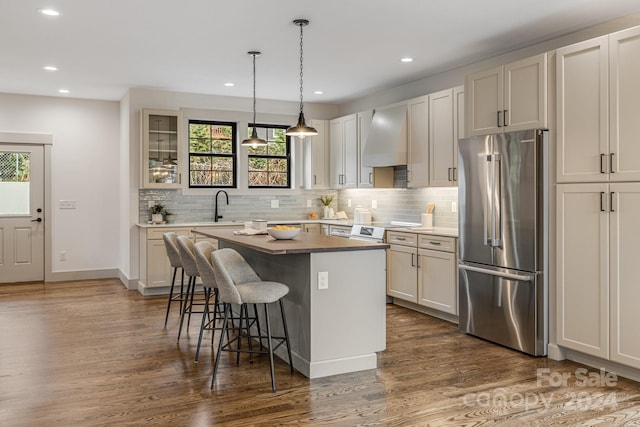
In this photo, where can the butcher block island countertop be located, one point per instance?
(304, 243)
(335, 327)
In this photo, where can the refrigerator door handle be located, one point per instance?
(520, 277)
(488, 205)
(496, 231)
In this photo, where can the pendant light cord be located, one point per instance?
(254, 91)
(301, 61)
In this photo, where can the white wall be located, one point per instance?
(84, 168)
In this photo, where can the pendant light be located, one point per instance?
(301, 130)
(254, 141)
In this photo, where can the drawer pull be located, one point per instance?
(435, 243)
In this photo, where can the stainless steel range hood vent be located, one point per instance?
(387, 141)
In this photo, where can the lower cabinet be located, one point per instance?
(155, 269)
(312, 228)
(597, 270)
(422, 269)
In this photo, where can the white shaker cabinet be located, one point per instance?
(438, 273)
(598, 105)
(423, 269)
(418, 143)
(507, 98)
(343, 152)
(597, 270)
(365, 173)
(582, 268)
(624, 105)
(316, 157)
(446, 124)
(582, 74)
(402, 267)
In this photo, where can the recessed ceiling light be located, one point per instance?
(406, 59)
(63, 90)
(49, 12)
(318, 92)
(229, 84)
(50, 68)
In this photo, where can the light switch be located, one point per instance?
(275, 204)
(374, 204)
(309, 205)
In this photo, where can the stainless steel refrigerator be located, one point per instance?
(502, 193)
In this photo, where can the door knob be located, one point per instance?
(37, 220)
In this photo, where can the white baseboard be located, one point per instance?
(609, 366)
(426, 310)
(63, 276)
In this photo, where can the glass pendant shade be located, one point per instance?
(301, 130)
(254, 141)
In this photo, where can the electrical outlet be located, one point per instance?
(454, 207)
(348, 203)
(374, 204)
(275, 204)
(63, 255)
(151, 204)
(309, 205)
(323, 280)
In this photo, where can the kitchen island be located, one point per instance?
(334, 330)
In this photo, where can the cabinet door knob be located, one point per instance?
(499, 112)
(504, 116)
(601, 163)
(611, 197)
(601, 202)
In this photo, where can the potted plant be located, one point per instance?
(169, 217)
(157, 211)
(326, 202)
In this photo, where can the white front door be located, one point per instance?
(21, 213)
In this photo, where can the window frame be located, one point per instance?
(287, 157)
(233, 155)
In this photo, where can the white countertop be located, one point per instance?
(437, 231)
(347, 222)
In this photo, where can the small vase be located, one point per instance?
(156, 218)
(326, 212)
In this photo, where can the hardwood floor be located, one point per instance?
(94, 354)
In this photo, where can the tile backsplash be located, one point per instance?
(392, 205)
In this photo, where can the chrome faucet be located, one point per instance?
(216, 217)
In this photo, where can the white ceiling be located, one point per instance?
(352, 47)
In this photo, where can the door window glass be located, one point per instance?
(14, 183)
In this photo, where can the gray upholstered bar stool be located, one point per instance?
(170, 243)
(203, 252)
(188, 258)
(239, 284)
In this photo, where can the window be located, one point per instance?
(269, 165)
(212, 154)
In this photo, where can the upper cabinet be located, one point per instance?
(596, 111)
(444, 131)
(418, 143)
(316, 157)
(160, 149)
(365, 173)
(343, 152)
(508, 98)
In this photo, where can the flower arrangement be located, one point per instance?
(326, 200)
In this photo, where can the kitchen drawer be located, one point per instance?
(438, 243)
(156, 233)
(400, 238)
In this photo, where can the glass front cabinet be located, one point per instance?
(160, 149)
